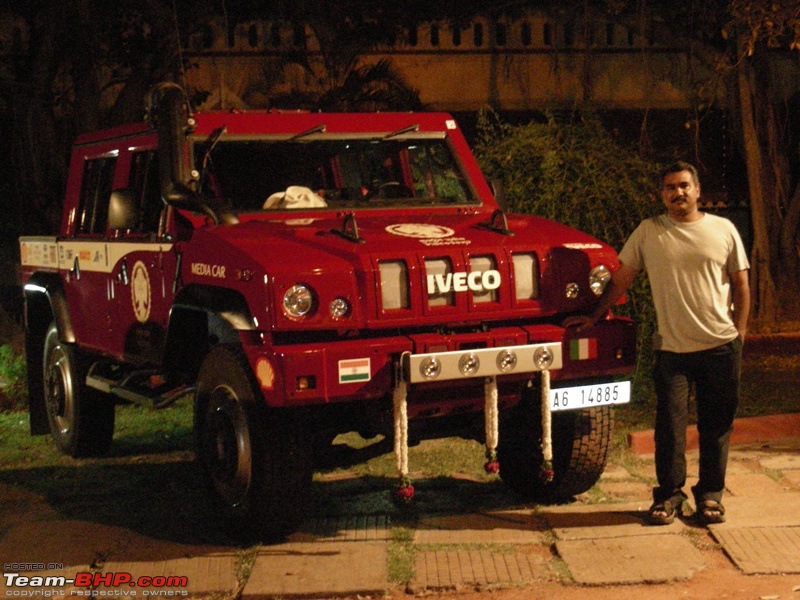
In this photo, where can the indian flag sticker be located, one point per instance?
(353, 371)
(583, 349)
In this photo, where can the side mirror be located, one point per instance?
(183, 197)
(122, 210)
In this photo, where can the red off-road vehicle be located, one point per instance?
(304, 275)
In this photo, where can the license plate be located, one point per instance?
(587, 396)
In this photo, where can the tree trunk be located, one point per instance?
(790, 252)
(764, 312)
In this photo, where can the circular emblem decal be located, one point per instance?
(420, 230)
(140, 292)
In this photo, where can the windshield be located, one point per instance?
(253, 175)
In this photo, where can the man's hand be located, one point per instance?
(621, 280)
(741, 301)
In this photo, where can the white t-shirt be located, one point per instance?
(688, 265)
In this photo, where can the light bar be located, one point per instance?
(481, 362)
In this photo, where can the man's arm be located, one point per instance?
(621, 280)
(741, 301)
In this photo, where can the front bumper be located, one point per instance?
(359, 369)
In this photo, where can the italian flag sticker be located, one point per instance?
(352, 371)
(583, 349)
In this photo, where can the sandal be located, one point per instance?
(661, 513)
(710, 512)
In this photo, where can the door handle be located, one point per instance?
(76, 268)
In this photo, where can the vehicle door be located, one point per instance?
(143, 266)
(82, 255)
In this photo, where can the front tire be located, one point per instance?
(581, 440)
(257, 462)
(81, 419)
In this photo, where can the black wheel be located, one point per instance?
(257, 462)
(581, 440)
(81, 419)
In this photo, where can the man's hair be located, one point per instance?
(682, 165)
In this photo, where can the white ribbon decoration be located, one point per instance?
(491, 415)
(401, 428)
(547, 429)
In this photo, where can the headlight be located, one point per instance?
(598, 279)
(298, 300)
(339, 307)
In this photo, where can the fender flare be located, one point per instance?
(45, 301)
(203, 316)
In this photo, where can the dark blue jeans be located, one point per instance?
(715, 374)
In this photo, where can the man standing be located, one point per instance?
(697, 267)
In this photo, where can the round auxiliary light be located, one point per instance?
(430, 368)
(469, 364)
(598, 279)
(571, 291)
(506, 361)
(339, 308)
(543, 357)
(298, 300)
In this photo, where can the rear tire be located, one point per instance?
(81, 419)
(581, 440)
(257, 462)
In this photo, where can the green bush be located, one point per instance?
(576, 173)
(13, 388)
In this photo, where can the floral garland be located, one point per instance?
(546, 472)
(404, 491)
(492, 425)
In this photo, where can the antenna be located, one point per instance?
(180, 45)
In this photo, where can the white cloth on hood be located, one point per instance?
(295, 196)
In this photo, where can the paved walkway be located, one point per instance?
(601, 539)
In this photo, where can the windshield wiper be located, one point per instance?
(497, 222)
(411, 128)
(317, 129)
(212, 140)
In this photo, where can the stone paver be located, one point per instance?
(752, 484)
(740, 466)
(595, 521)
(772, 510)
(762, 549)
(215, 573)
(356, 528)
(625, 490)
(793, 476)
(310, 569)
(448, 569)
(622, 560)
(499, 527)
(781, 462)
